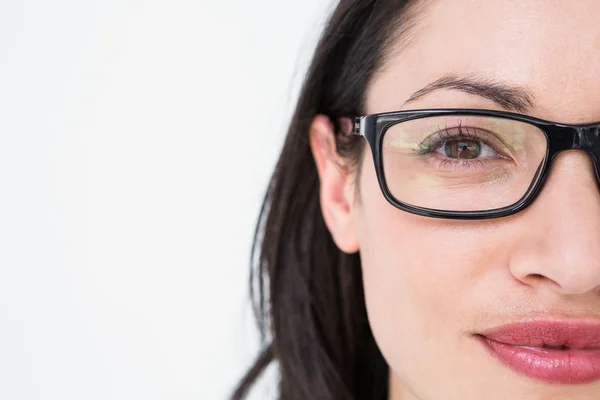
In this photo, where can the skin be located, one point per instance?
(430, 283)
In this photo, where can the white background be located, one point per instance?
(136, 141)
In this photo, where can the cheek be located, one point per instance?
(409, 262)
(419, 277)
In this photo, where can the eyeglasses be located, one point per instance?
(467, 164)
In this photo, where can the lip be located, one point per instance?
(523, 347)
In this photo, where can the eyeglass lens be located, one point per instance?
(462, 163)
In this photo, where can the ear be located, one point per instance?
(337, 186)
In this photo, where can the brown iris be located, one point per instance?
(464, 149)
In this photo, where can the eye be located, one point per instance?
(466, 149)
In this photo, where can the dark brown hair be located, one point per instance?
(308, 295)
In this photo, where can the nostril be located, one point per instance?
(540, 279)
(537, 277)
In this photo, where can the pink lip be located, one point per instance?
(521, 346)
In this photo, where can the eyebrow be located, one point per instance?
(512, 98)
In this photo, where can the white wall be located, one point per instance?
(136, 140)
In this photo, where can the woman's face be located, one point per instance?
(431, 284)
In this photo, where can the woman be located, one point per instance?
(438, 254)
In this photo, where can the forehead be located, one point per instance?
(550, 47)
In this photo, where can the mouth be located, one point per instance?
(550, 351)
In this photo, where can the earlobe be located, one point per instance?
(336, 196)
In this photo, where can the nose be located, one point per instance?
(558, 245)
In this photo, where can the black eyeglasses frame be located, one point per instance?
(559, 137)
